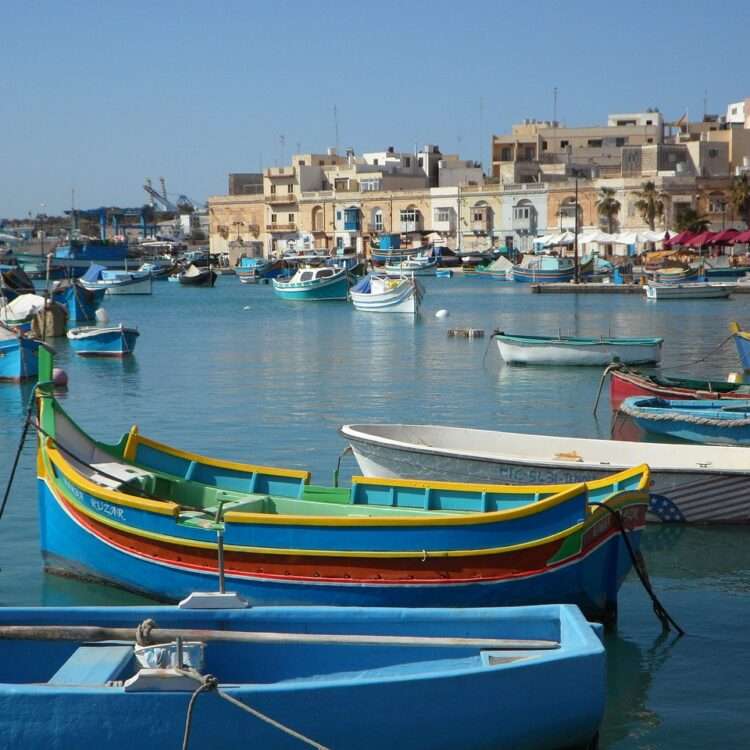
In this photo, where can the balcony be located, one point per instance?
(411, 226)
(281, 227)
(281, 198)
(375, 228)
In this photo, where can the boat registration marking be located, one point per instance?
(107, 509)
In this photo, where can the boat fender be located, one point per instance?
(60, 377)
(442, 313)
(102, 316)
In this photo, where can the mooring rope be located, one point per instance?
(676, 416)
(209, 683)
(16, 459)
(640, 568)
(704, 358)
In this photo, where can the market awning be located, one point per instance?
(703, 239)
(726, 237)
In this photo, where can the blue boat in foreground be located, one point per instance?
(314, 284)
(528, 678)
(18, 356)
(725, 422)
(109, 341)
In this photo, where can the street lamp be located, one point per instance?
(575, 225)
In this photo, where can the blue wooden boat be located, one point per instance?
(314, 284)
(81, 303)
(105, 341)
(145, 516)
(543, 269)
(18, 356)
(116, 282)
(742, 343)
(526, 678)
(708, 422)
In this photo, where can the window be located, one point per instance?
(306, 276)
(407, 161)
(409, 216)
(321, 162)
(420, 161)
(377, 220)
(619, 142)
(649, 122)
(301, 163)
(522, 212)
(649, 140)
(505, 154)
(338, 215)
(325, 273)
(375, 162)
(273, 218)
(563, 144)
(595, 143)
(369, 185)
(544, 145)
(273, 189)
(443, 214)
(713, 153)
(291, 218)
(290, 188)
(478, 215)
(716, 204)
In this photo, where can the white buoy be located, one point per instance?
(246, 307)
(59, 377)
(102, 317)
(442, 314)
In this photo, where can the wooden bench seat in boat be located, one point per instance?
(94, 664)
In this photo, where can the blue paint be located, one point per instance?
(18, 358)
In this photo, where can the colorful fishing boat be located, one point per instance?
(381, 294)
(18, 355)
(314, 284)
(104, 341)
(689, 290)
(707, 422)
(675, 275)
(116, 282)
(145, 516)
(577, 350)
(317, 672)
(422, 264)
(692, 484)
(196, 276)
(625, 383)
(742, 343)
(80, 303)
(543, 269)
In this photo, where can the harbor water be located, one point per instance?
(235, 372)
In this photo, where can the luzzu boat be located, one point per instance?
(742, 343)
(104, 341)
(332, 675)
(577, 350)
(543, 269)
(708, 422)
(146, 516)
(314, 284)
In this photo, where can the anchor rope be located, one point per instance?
(17, 457)
(209, 683)
(646, 413)
(639, 565)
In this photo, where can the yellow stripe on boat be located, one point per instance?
(615, 479)
(135, 439)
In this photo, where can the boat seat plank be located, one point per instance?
(94, 664)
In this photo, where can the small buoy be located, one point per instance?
(442, 314)
(246, 307)
(102, 316)
(59, 377)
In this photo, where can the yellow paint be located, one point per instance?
(217, 462)
(621, 476)
(164, 508)
(131, 446)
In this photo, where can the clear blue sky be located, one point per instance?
(100, 95)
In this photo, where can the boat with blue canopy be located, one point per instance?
(116, 282)
(314, 284)
(81, 303)
(283, 678)
(148, 517)
(711, 422)
(382, 294)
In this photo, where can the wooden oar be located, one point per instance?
(167, 635)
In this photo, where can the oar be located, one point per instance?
(167, 635)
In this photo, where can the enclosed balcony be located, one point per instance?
(352, 220)
(410, 220)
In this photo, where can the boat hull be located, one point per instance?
(335, 288)
(74, 544)
(594, 354)
(403, 299)
(205, 278)
(742, 344)
(19, 360)
(690, 485)
(110, 342)
(80, 303)
(322, 692)
(536, 276)
(697, 290)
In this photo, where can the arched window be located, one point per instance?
(318, 221)
(377, 220)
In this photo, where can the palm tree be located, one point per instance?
(650, 203)
(691, 220)
(740, 198)
(608, 206)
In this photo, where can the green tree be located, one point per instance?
(690, 219)
(739, 197)
(650, 203)
(608, 207)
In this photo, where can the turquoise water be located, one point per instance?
(237, 373)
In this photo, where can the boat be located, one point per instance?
(159, 269)
(742, 344)
(116, 282)
(689, 290)
(676, 275)
(389, 250)
(500, 269)
(103, 341)
(577, 350)
(419, 265)
(195, 276)
(543, 269)
(625, 383)
(73, 258)
(381, 294)
(81, 303)
(465, 679)
(444, 273)
(145, 516)
(252, 270)
(710, 422)
(689, 484)
(313, 284)
(21, 311)
(18, 355)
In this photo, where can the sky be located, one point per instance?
(96, 96)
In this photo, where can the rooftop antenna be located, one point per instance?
(336, 126)
(554, 107)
